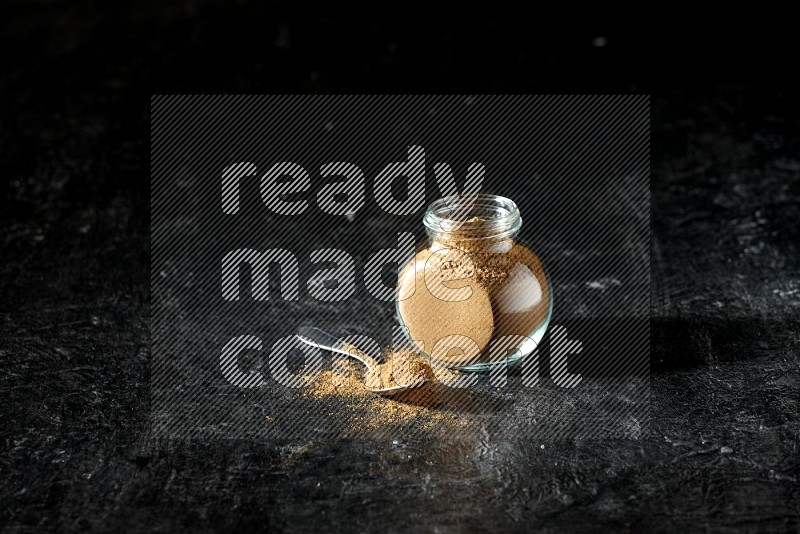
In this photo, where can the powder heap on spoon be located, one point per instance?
(346, 384)
(401, 368)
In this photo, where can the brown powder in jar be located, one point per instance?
(516, 285)
(508, 275)
(433, 315)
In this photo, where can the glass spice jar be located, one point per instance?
(473, 297)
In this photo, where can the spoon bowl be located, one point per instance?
(323, 340)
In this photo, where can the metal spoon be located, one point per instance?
(323, 340)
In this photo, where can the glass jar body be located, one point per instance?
(474, 298)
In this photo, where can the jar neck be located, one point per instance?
(472, 221)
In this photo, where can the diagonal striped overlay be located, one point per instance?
(225, 364)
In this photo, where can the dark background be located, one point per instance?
(74, 308)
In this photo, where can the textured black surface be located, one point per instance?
(74, 332)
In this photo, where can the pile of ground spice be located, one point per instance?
(416, 408)
(402, 368)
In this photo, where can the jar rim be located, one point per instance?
(472, 216)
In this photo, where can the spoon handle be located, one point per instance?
(323, 340)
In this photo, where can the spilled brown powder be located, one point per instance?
(366, 410)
